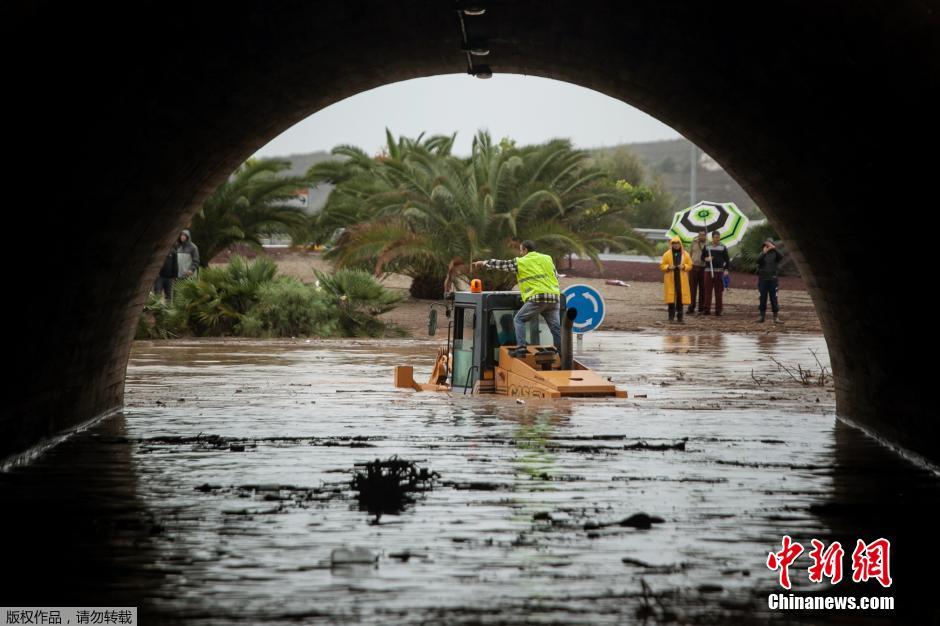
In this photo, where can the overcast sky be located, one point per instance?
(526, 108)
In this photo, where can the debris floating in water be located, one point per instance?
(386, 486)
(642, 521)
(642, 445)
(350, 556)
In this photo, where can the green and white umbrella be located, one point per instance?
(708, 217)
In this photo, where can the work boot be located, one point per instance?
(760, 320)
(777, 319)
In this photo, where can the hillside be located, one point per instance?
(670, 159)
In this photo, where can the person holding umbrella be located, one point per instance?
(676, 265)
(722, 218)
(716, 256)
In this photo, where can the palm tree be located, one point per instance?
(251, 204)
(419, 211)
(361, 182)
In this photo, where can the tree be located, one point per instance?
(251, 204)
(657, 210)
(361, 182)
(652, 211)
(621, 164)
(422, 212)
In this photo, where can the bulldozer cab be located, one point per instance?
(482, 323)
(479, 359)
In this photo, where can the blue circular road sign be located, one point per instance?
(589, 304)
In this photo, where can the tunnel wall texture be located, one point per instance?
(123, 117)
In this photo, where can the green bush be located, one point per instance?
(159, 320)
(214, 302)
(248, 299)
(357, 299)
(289, 308)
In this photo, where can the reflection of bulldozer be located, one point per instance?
(479, 340)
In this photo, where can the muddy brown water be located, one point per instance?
(221, 492)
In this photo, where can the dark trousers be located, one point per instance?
(768, 287)
(164, 286)
(674, 310)
(713, 283)
(675, 307)
(697, 286)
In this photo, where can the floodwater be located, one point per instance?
(222, 493)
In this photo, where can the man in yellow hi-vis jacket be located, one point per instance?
(538, 284)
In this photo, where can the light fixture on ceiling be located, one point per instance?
(482, 71)
(472, 47)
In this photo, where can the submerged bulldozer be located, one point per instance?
(477, 356)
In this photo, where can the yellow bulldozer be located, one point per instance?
(477, 357)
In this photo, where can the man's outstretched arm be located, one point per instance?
(507, 265)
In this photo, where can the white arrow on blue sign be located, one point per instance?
(589, 304)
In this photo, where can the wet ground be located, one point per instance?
(638, 307)
(222, 494)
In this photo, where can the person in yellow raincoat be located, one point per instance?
(676, 265)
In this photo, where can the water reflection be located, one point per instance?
(712, 343)
(76, 533)
(222, 494)
(768, 342)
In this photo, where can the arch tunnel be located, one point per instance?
(123, 118)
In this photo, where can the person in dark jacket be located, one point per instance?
(767, 264)
(181, 262)
(697, 275)
(716, 263)
(164, 283)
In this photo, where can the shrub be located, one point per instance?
(289, 308)
(357, 298)
(214, 302)
(248, 299)
(159, 320)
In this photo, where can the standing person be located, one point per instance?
(187, 255)
(717, 261)
(538, 284)
(181, 261)
(676, 264)
(697, 275)
(767, 283)
(168, 273)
